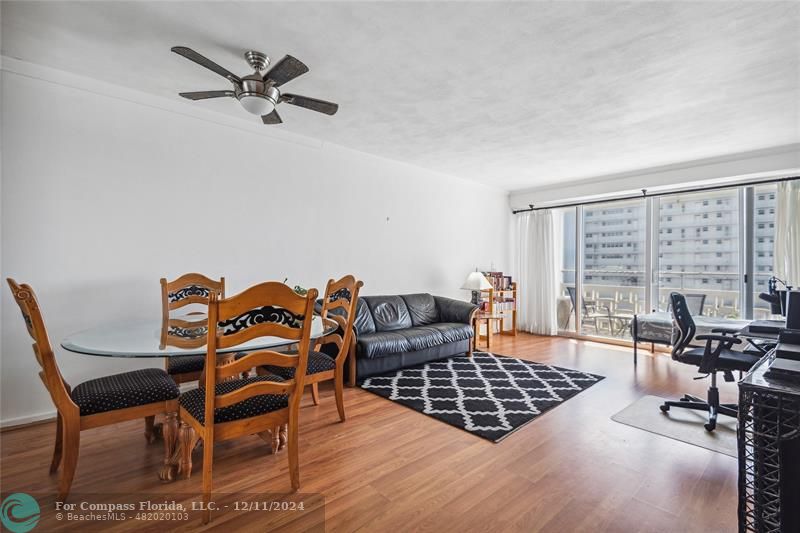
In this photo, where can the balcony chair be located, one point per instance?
(694, 302)
(589, 312)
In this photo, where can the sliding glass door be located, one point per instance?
(625, 257)
(699, 252)
(613, 277)
(763, 220)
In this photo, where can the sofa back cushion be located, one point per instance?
(388, 312)
(422, 308)
(363, 323)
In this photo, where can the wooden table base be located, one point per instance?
(180, 440)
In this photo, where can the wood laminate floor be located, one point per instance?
(388, 468)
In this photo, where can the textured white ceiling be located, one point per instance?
(515, 95)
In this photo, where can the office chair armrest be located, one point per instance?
(726, 331)
(721, 338)
(709, 362)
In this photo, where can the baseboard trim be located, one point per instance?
(49, 416)
(25, 421)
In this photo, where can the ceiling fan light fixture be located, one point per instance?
(257, 104)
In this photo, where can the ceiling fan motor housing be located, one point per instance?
(255, 86)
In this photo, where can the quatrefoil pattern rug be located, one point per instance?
(488, 395)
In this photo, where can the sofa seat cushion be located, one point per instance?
(382, 343)
(129, 389)
(194, 401)
(453, 331)
(423, 337)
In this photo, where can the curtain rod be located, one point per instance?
(645, 194)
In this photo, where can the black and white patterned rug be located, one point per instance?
(488, 395)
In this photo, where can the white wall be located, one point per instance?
(774, 162)
(109, 190)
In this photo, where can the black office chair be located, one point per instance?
(708, 360)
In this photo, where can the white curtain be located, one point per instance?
(539, 253)
(787, 232)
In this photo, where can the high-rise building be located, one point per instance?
(698, 247)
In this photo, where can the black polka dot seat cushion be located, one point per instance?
(190, 363)
(186, 364)
(317, 362)
(194, 401)
(119, 391)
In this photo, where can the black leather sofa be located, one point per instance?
(394, 332)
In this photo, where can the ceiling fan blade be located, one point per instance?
(329, 108)
(202, 95)
(272, 118)
(286, 70)
(203, 61)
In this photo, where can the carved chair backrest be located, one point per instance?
(188, 289)
(340, 304)
(269, 309)
(42, 349)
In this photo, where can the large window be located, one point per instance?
(699, 253)
(625, 257)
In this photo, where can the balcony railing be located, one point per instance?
(609, 307)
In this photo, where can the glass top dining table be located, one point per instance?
(179, 336)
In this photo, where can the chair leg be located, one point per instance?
(71, 443)
(208, 463)
(187, 440)
(57, 449)
(149, 434)
(294, 465)
(338, 382)
(698, 406)
(713, 404)
(315, 393)
(351, 366)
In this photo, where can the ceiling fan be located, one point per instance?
(258, 92)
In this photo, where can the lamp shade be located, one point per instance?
(476, 282)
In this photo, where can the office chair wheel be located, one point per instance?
(664, 408)
(710, 426)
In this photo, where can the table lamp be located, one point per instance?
(476, 282)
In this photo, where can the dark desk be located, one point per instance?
(769, 339)
(769, 451)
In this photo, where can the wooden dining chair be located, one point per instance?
(94, 403)
(188, 289)
(227, 406)
(326, 361)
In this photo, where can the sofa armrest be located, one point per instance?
(451, 310)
